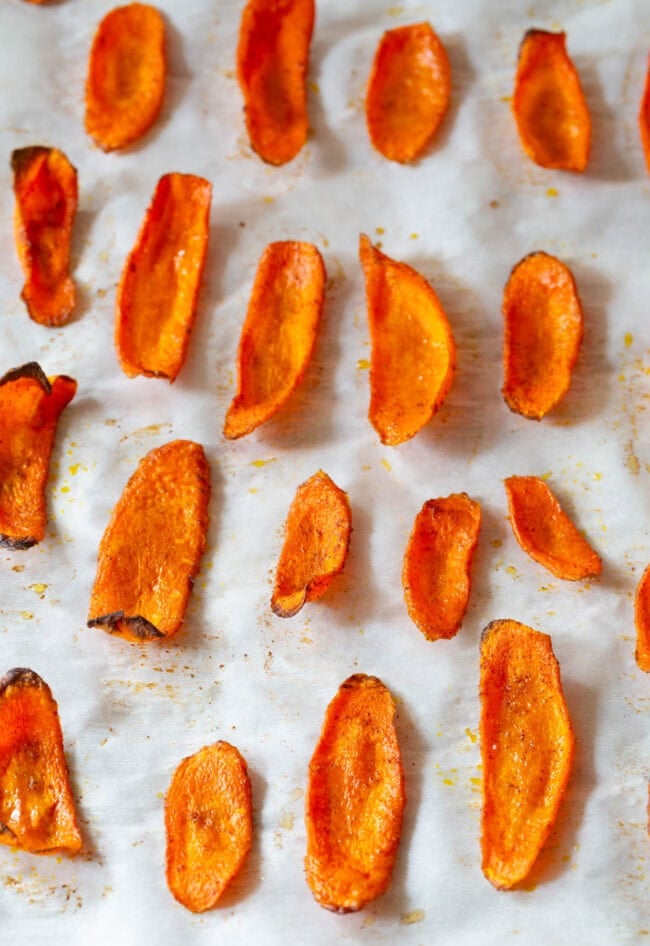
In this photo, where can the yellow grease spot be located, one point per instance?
(475, 781)
(74, 469)
(496, 543)
(65, 489)
(263, 462)
(414, 236)
(598, 476)
(379, 230)
(250, 490)
(38, 589)
(386, 465)
(511, 570)
(629, 338)
(552, 192)
(471, 735)
(395, 11)
(306, 640)
(363, 364)
(506, 98)
(413, 916)
(18, 568)
(314, 87)
(26, 615)
(269, 200)
(286, 821)
(448, 781)
(546, 476)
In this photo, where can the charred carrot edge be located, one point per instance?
(126, 75)
(151, 549)
(543, 328)
(45, 188)
(413, 350)
(37, 811)
(527, 748)
(642, 621)
(279, 333)
(30, 406)
(644, 118)
(545, 532)
(355, 798)
(408, 91)
(272, 61)
(209, 825)
(159, 288)
(317, 537)
(437, 563)
(548, 104)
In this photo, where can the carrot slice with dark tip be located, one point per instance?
(642, 621)
(408, 92)
(152, 546)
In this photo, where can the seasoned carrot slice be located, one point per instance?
(45, 187)
(37, 812)
(408, 92)
(548, 104)
(355, 798)
(272, 60)
(30, 406)
(526, 748)
(209, 825)
(317, 536)
(152, 546)
(543, 331)
(126, 75)
(644, 118)
(413, 350)
(279, 333)
(642, 621)
(545, 532)
(158, 292)
(436, 573)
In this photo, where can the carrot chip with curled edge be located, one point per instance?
(642, 621)
(644, 118)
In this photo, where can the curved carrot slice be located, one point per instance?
(45, 187)
(355, 798)
(642, 621)
(279, 333)
(548, 104)
(152, 546)
(545, 532)
(158, 292)
(543, 331)
(413, 350)
(317, 536)
(30, 406)
(209, 825)
(272, 60)
(126, 75)
(37, 812)
(644, 118)
(526, 748)
(408, 92)
(436, 573)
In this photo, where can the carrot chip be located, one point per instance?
(642, 621)
(644, 118)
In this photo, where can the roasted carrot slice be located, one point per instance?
(526, 748)
(413, 350)
(272, 60)
(158, 292)
(644, 118)
(152, 546)
(355, 798)
(37, 812)
(317, 536)
(30, 406)
(45, 187)
(279, 333)
(642, 621)
(545, 532)
(126, 75)
(436, 573)
(543, 330)
(408, 92)
(209, 825)
(548, 104)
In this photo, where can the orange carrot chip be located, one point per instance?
(644, 118)
(642, 621)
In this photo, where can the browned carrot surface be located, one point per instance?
(158, 292)
(37, 811)
(279, 333)
(126, 75)
(209, 825)
(642, 621)
(543, 331)
(152, 546)
(644, 118)
(408, 92)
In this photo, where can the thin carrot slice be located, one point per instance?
(30, 406)
(355, 798)
(279, 333)
(642, 621)
(413, 350)
(543, 331)
(644, 118)
(317, 537)
(548, 104)
(272, 61)
(37, 811)
(526, 748)
(45, 187)
(209, 825)
(437, 563)
(408, 92)
(545, 532)
(158, 292)
(152, 546)
(126, 75)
